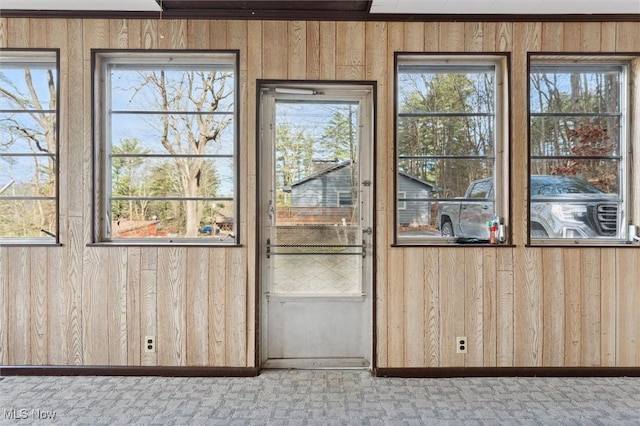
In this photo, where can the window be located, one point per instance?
(402, 195)
(451, 147)
(345, 199)
(28, 146)
(166, 147)
(578, 149)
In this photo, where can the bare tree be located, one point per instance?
(34, 124)
(191, 105)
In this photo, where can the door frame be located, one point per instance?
(260, 280)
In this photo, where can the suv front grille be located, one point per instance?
(605, 218)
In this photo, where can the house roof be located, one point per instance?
(331, 169)
(433, 186)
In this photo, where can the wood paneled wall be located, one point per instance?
(85, 305)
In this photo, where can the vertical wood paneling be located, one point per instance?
(451, 37)
(134, 34)
(591, 302)
(327, 50)
(119, 34)
(553, 294)
(413, 37)
(198, 306)
(504, 37)
(237, 39)
(149, 301)
(133, 320)
(313, 50)
(552, 36)
(5, 320)
(84, 305)
(18, 32)
(39, 269)
(3, 32)
(608, 37)
(432, 307)
(628, 335)
(172, 34)
(150, 34)
(431, 36)
(117, 306)
(19, 306)
(198, 34)
(572, 36)
(627, 37)
(414, 299)
(95, 328)
(218, 34)
(504, 308)
(590, 32)
(527, 320)
(37, 38)
(608, 307)
(236, 314)
(396, 307)
(217, 308)
(452, 306)
(297, 50)
(489, 36)
(385, 280)
(474, 305)
(171, 300)
(350, 50)
(473, 36)
(573, 306)
(274, 52)
(490, 307)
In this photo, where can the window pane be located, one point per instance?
(447, 177)
(164, 219)
(575, 136)
(577, 152)
(563, 89)
(172, 90)
(445, 142)
(28, 145)
(27, 218)
(30, 176)
(446, 135)
(443, 90)
(603, 174)
(172, 141)
(202, 134)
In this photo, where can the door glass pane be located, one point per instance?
(316, 243)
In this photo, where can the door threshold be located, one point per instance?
(317, 364)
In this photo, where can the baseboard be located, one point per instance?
(442, 372)
(105, 370)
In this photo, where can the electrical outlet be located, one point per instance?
(461, 344)
(149, 343)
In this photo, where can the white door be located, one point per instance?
(316, 189)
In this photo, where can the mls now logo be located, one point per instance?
(23, 414)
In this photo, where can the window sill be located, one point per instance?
(29, 243)
(139, 243)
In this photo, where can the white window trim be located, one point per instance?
(102, 136)
(501, 134)
(627, 145)
(42, 57)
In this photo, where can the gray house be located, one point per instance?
(414, 213)
(331, 187)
